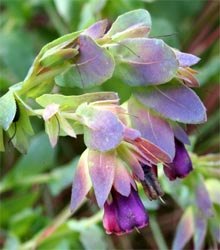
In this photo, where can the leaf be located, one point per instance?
(93, 66)
(48, 50)
(97, 30)
(58, 57)
(39, 158)
(81, 182)
(209, 70)
(152, 127)
(101, 169)
(180, 133)
(2, 147)
(66, 126)
(102, 131)
(7, 110)
(125, 24)
(184, 230)
(202, 197)
(122, 179)
(21, 129)
(186, 59)
(17, 203)
(143, 61)
(93, 238)
(213, 187)
(52, 129)
(17, 56)
(63, 177)
(174, 101)
(200, 227)
(50, 110)
(73, 101)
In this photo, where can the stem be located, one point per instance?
(158, 236)
(38, 179)
(35, 80)
(59, 220)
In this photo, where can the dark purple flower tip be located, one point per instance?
(181, 165)
(123, 214)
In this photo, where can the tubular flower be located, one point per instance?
(110, 165)
(123, 214)
(181, 165)
(126, 143)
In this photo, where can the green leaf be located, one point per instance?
(93, 238)
(15, 204)
(7, 110)
(213, 187)
(2, 147)
(63, 177)
(210, 69)
(125, 24)
(73, 101)
(17, 51)
(58, 57)
(39, 158)
(21, 129)
(52, 129)
(23, 222)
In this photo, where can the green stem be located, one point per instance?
(158, 236)
(38, 179)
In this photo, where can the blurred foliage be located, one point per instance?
(35, 188)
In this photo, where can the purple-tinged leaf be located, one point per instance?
(202, 198)
(153, 152)
(73, 101)
(152, 127)
(102, 171)
(127, 156)
(184, 230)
(102, 131)
(185, 59)
(81, 182)
(131, 134)
(50, 111)
(97, 30)
(180, 133)
(200, 227)
(143, 61)
(174, 101)
(130, 22)
(122, 180)
(92, 66)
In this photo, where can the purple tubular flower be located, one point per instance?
(181, 165)
(123, 214)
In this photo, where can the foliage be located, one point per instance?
(35, 186)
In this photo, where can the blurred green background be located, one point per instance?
(35, 188)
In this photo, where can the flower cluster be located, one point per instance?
(125, 143)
